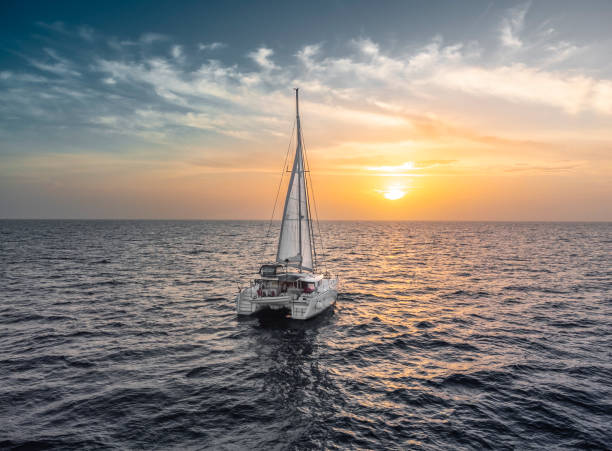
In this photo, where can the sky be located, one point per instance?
(437, 110)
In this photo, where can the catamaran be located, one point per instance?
(292, 282)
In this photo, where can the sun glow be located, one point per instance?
(394, 193)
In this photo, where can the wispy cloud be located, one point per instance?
(545, 167)
(512, 25)
(58, 27)
(211, 46)
(55, 64)
(561, 51)
(149, 38)
(177, 52)
(410, 168)
(86, 32)
(407, 166)
(520, 83)
(306, 54)
(262, 57)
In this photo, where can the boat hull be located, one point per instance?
(300, 307)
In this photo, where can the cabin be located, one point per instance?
(275, 283)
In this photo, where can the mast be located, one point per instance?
(300, 177)
(295, 245)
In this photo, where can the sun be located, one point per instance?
(394, 193)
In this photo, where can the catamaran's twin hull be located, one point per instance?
(302, 307)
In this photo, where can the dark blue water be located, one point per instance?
(122, 334)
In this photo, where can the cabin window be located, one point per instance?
(309, 287)
(268, 270)
(269, 288)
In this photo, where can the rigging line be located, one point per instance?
(278, 191)
(311, 237)
(307, 189)
(312, 234)
(314, 200)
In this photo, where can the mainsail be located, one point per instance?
(296, 244)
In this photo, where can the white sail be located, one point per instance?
(295, 246)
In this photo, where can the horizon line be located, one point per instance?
(321, 220)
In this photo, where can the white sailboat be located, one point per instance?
(292, 282)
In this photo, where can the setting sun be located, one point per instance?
(394, 193)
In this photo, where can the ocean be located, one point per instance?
(458, 335)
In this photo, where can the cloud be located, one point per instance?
(545, 167)
(150, 38)
(407, 166)
(561, 51)
(306, 54)
(262, 57)
(425, 164)
(57, 65)
(57, 26)
(520, 83)
(171, 82)
(211, 46)
(86, 32)
(512, 25)
(22, 77)
(177, 52)
(367, 47)
(411, 166)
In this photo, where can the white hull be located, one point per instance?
(302, 306)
